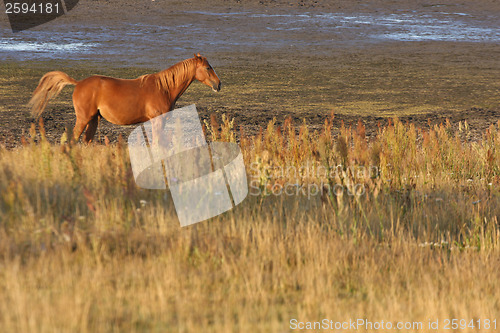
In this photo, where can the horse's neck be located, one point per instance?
(182, 87)
(178, 80)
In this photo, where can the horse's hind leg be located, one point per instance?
(86, 113)
(79, 127)
(91, 128)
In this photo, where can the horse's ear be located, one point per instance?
(199, 55)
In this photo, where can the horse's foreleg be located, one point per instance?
(157, 124)
(91, 128)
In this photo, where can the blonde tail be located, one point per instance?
(49, 87)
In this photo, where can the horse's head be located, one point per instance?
(206, 74)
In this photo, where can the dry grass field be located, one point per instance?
(407, 232)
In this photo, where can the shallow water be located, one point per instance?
(189, 32)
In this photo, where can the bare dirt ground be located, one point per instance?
(420, 82)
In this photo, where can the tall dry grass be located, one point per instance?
(403, 227)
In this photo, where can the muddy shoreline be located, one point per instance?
(364, 61)
(478, 120)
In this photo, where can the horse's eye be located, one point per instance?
(209, 68)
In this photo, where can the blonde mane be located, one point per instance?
(171, 76)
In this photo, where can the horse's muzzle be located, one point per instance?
(216, 86)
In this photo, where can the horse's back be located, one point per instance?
(103, 82)
(104, 86)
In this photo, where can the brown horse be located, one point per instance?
(120, 101)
